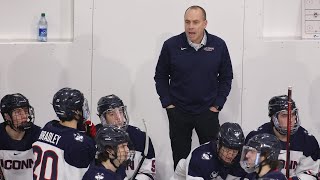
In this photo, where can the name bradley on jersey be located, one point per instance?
(49, 137)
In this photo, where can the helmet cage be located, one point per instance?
(24, 125)
(222, 150)
(119, 117)
(283, 130)
(12, 102)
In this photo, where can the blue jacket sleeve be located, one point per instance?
(162, 76)
(225, 78)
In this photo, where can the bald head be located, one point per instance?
(204, 14)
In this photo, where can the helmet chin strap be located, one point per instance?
(261, 164)
(25, 126)
(115, 158)
(113, 164)
(10, 123)
(22, 127)
(79, 117)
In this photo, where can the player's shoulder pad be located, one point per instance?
(306, 132)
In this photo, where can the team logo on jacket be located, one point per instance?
(99, 176)
(208, 48)
(214, 175)
(78, 137)
(206, 156)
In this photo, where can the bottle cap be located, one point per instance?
(43, 14)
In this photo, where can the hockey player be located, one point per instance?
(260, 157)
(112, 151)
(17, 133)
(216, 160)
(303, 159)
(112, 111)
(61, 151)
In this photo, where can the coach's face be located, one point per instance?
(194, 25)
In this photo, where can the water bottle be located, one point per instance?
(42, 28)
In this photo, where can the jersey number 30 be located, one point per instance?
(42, 163)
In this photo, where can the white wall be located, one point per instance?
(113, 47)
(19, 19)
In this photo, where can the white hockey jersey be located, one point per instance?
(62, 153)
(16, 157)
(148, 168)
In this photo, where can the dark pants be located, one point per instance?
(181, 125)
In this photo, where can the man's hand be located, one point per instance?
(170, 106)
(213, 109)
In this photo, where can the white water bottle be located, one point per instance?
(42, 28)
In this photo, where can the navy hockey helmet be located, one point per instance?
(231, 136)
(9, 103)
(110, 137)
(112, 106)
(266, 145)
(67, 102)
(279, 104)
(108, 102)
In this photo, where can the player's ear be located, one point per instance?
(7, 117)
(110, 152)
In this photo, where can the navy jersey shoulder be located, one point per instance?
(303, 141)
(79, 149)
(6, 143)
(277, 175)
(138, 139)
(205, 163)
(265, 128)
(99, 172)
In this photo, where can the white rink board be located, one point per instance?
(115, 47)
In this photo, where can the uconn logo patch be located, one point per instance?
(206, 156)
(215, 176)
(99, 176)
(78, 137)
(208, 48)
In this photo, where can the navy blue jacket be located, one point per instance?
(193, 80)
